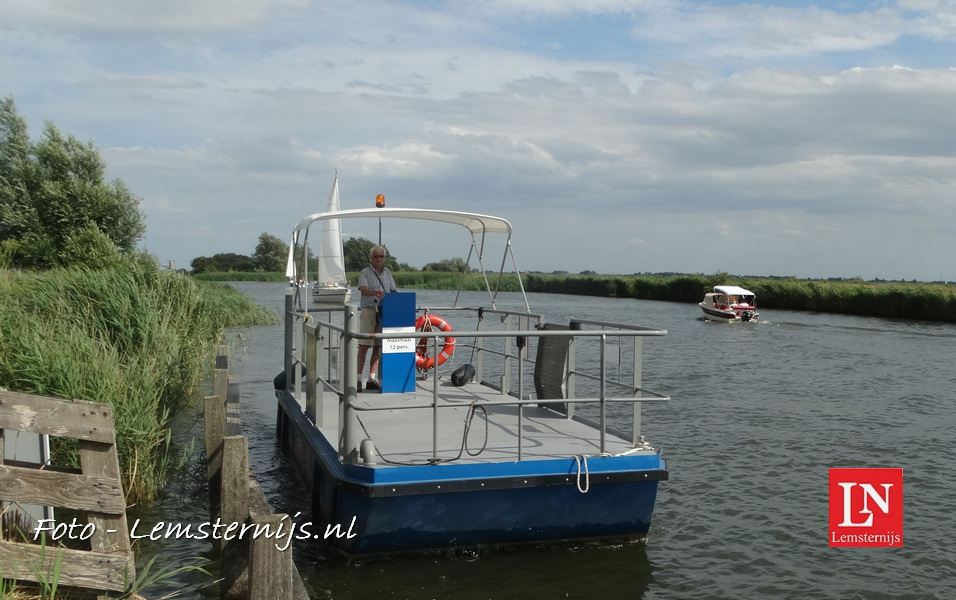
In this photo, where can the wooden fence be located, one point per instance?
(94, 491)
(252, 567)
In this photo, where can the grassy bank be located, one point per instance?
(133, 336)
(237, 276)
(928, 301)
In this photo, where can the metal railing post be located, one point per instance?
(289, 342)
(520, 344)
(435, 400)
(297, 355)
(321, 359)
(571, 389)
(349, 428)
(638, 375)
(603, 397)
(311, 339)
(506, 361)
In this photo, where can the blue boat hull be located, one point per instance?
(392, 509)
(496, 517)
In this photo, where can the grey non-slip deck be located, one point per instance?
(405, 435)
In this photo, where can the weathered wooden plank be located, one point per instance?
(52, 488)
(112, 532)
(56, 416)
(78, 568)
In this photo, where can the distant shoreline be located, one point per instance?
(878, 298)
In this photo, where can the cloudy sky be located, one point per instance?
(619, 136)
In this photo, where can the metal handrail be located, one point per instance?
(347, 376)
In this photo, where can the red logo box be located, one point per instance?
(866, 507)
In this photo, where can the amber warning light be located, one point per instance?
(380, 201)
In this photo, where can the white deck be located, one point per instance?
(405, 435)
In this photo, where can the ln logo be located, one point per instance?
(866, 507)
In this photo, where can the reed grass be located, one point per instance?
(131, 335)
(241, 276)
(444, 280)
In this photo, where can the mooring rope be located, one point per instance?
(578, 459)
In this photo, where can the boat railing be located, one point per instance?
(322, 347)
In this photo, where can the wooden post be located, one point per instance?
(235, 513)
(270, 569)
(233, 422)
(220, 383)
(215, 417)
(222, 357)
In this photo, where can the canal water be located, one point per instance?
(759, 413)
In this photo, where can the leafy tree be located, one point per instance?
(223, 262)
(201, 264)
(453, 265)
(356, 251)
(271, 254)
(55, 201)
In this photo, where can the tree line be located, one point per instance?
(271, 255)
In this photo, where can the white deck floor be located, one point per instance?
(405, 435)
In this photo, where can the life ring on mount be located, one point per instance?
(426, 323)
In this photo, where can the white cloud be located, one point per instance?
(143, 15)
(746, 122)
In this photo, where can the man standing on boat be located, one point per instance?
(374, 282)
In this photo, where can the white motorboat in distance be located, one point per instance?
(729, 303)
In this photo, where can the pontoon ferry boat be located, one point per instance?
(543, 444)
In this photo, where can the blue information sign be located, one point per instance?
(398, 354)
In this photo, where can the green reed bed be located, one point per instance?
(927, 301)
(444, 280)
(132, 335)
(237, 276)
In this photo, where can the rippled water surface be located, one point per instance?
(759, 413)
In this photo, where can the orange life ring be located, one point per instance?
(426, 323)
